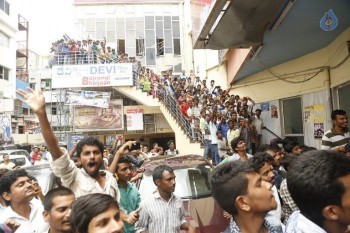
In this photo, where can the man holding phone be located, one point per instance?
(129, 195)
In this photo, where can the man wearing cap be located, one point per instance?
(338, 136)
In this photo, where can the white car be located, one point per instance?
(18, 157)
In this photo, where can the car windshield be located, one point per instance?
(191, 181)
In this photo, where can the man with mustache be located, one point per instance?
(17, 190)
(57, 208)
(163, 212)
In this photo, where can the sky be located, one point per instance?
(48, 21)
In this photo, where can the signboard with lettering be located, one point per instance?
(134, 119)
(95, 75)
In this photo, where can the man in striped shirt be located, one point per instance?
(338, 136)
(163, 212)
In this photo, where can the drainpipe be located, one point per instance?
(328, 89)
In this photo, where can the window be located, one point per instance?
(160, 46)
(4, 73)
(177, 47)
(5, 6)
(140, 47)
(121, 46)
(45, 84)
(343, 97)
(54, 110)
(292, 117)
(4, 40)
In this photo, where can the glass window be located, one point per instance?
(159, 29)
(176, 28)
(177, 47)
(121, 46)
(168, 38)
(140, 32)
(4, 73)
(344, 100)
(150, 38)
(160, 46)
(150, 57)
(110, 24)
(167, 22)
(149, 22)
(140, 47)
(130, 24)
(100, 30)
(4, 40)
(159, 17)
(2, 5)
(130, 35)
(7, 8)
(292, 116)
(90, 25)
(120, 28)
(111, 37)
(175, 17)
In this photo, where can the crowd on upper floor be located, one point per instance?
(69, 51)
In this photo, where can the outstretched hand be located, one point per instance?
(34, 99)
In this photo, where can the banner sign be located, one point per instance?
(94, 75)
(5, 128)
(73, 139)
(134, 119)
(87, 98)
(93, 118)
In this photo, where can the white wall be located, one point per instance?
(8, 26)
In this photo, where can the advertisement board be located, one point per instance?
(93, 75)
(93, 118)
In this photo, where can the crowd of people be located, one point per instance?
(78, 52)
(262, 188)
(214, 116)
(87, 199)
(290, 189)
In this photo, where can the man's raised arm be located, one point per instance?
(36, 101)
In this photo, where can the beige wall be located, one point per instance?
(263, 86)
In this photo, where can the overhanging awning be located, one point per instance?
(242, 24)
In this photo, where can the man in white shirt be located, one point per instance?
(7, 164)
(17, 190)
(163, 212)
(319, 183)
(259, 124)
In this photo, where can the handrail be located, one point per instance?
(269, 130)
(82, 58)
(172, 106)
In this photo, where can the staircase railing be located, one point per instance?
(173, 107)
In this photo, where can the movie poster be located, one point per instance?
(274, 112)
(93, 118)
(318, 130)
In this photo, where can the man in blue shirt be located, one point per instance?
(129, 195)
